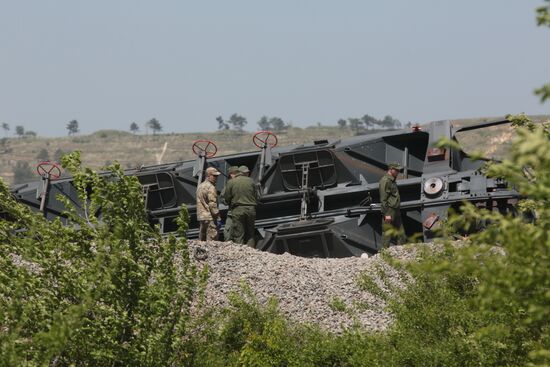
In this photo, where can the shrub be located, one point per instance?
(105, 289)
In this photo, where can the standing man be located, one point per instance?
(207, 206)
(232, 172)
(390, 202)
(242, 197)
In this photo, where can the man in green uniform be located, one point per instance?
(232, 172)
(389, 205)
(242, 197)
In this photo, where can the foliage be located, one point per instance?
(363, 124)
(485, 302)
(272, 123)
(19, 131)
(154, 125)
(134, 128)
(237, 122)
(105, 289)
(72, 127)
(248, 333)
(222, 125)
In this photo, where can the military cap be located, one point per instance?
(232, 170)
(394, 165)
(244, 169)
(212, 171)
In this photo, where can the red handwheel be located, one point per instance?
(205, 147)
(49, 170)
(264, 138)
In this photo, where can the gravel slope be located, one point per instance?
(305, 287)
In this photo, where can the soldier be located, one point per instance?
(242, 197)
(208, 213)
(389, 206)
(232, 172)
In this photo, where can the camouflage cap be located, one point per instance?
(244, 169)
(211, 171)
(232, 170)
(395, 165)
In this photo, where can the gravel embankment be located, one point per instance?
(307, 288)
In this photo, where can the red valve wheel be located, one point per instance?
(206, 147)
(50, 170)
(264, 138)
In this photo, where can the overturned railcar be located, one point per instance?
(320, 199)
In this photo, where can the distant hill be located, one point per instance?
(19, 156)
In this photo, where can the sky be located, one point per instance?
(108, 63)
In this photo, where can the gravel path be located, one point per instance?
(307, 288)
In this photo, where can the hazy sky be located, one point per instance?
(110, 63)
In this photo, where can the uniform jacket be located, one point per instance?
(241, 191)
(389, 195)
(207, 201)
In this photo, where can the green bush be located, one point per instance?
(485, 303)
(104, 290)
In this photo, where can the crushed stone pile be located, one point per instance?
(309, 290)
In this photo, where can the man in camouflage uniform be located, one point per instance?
(242, 197)
(390, 202)
(208, 213)
(232, 172)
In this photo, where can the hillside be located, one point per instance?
(105, 146)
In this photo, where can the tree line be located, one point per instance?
(235, 122)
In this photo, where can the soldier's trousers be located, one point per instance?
(396, 224)
(242, 225)
(208, 230)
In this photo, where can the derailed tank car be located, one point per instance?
(319, 199)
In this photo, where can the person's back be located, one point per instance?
(241, 191)
(242, 198)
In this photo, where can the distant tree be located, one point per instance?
(6, 128)
(22, 172)
(264, 123)
(134, 128)
(277, 124)
(237, 122)
(355, 124)
(342, 123)
(273, 123)
(43, 155)
(72, 127)
(390, 123)
(154, 125)
(409, 125)
(369, 121)
(19, 131)
(30, 133)
(222, 125)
